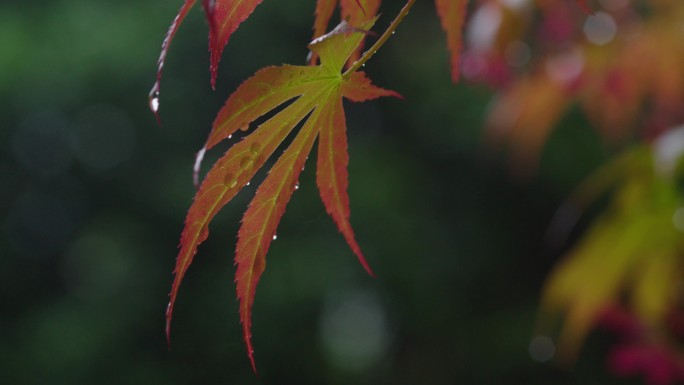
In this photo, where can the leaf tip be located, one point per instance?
(169, 312)
(395, 94)
(153, 101)
(213, 77)
(246, 320)
(363, 261)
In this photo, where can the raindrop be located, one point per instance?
(275, 237)
(154, 103)
(246, 163)
(296, 187)
(230, 136)
(247, 184)
(230, 180)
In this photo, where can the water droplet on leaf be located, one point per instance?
(246, 163)
(230, 180)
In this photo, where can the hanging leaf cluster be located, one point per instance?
(307, 96)
(317, 92)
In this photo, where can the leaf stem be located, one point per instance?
(385, 36)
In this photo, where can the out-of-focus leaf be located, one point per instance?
(633, 249)
(629, 82)
(525, 115)
(452, 15)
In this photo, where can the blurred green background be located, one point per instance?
(93, 196)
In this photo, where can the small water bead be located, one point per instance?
(230, 136)
(230, 180)
(255, 148)
(247, 184)
(154, 102)
(246, 163)
(275, 237)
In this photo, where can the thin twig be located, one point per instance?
(386, 35)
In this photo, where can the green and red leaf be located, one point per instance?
(315, 93)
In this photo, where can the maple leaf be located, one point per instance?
(317, 92)
(452, 15)
(223, 17)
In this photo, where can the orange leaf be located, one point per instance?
(452, 15)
